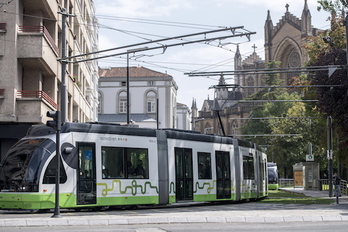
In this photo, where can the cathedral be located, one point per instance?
(223, 114)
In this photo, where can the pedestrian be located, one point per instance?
(337, 183)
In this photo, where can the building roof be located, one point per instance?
(123, 118)
(133, 72)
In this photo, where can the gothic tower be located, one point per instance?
(284, 41)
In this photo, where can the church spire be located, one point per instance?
(268, 36)
(306, 21)
(238, 63)
(222, 80)
(237, 59)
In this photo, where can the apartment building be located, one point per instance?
(30, 70)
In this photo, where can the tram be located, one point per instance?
(108, 165)
(273, 183)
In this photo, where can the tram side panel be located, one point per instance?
(163, 169)
(248, 175)
(201, 171)
(127, 170)
(263, 173)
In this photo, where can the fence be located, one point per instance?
(323, 185)
(286, 183)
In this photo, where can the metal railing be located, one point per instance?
(286, 183)
(40, 29)
(324, 186)
(37, 94)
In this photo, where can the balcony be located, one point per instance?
(41, 95)
(31, 106)
(41, 30)
(36, 45)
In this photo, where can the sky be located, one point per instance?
(129, 22)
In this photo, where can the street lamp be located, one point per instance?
(127, 83)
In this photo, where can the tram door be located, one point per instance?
(86, 178)
(184, 174)
(223, 175)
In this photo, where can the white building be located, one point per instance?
(30, 73)
(152, 97)
(183, 117)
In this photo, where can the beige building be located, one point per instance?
(30, 73)
(152, 97)
(283, 42)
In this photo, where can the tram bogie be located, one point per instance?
(116, 166)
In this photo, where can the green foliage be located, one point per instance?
(331, 101)
(332, 6)
(287, 117)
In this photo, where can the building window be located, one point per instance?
(151, 102)
(123, 83)
(122, 102)
(150, 83)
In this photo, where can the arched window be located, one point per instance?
(122, 102)
(250, 82)
(151, 102)
(234, 127)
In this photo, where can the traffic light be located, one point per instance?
(56, 123)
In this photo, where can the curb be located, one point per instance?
(161, 220)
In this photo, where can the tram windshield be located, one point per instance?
(272, 175)
(22, 166)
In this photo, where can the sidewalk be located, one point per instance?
(343, 199)
(203, 213)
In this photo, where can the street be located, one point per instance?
(196, 227)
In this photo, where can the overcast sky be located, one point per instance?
(126, 22)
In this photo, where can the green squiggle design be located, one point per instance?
(172, 188)
(133, 188)
(209, 189)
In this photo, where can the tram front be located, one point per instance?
(20, 173)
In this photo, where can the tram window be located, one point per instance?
(50, 173)
(118, 162)
(248, 168)
(204, 165)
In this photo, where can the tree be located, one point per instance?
(279, 118)
(332, 6)
(328, 48)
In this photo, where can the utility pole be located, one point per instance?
(62, 114)
(346, 26)
(329, 152)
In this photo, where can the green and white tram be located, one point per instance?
(107, 165)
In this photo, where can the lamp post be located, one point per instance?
(127, 82)
(329, 152)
